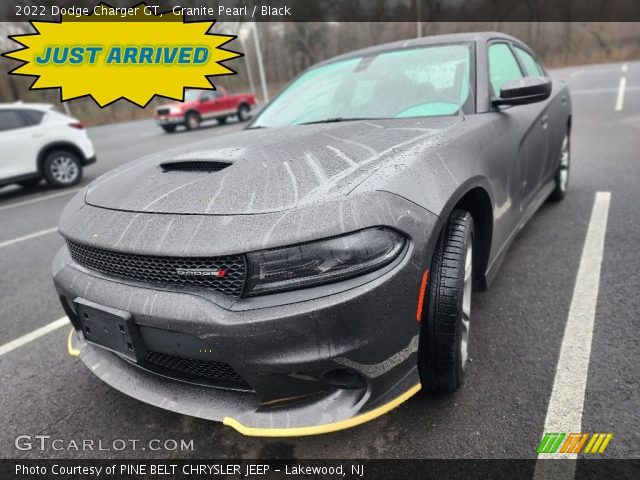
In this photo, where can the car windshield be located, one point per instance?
(416, 82)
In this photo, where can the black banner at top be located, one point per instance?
(339, 10)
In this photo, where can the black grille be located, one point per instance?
(194, 166)
(163, 111)
(164, 270)
(215, 372)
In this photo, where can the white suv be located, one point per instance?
(38, 142)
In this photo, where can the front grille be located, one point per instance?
(188, 368)
(164, 270)
(194, 166)
(163, 111)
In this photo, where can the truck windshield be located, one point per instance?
(191, 95)
(411, 82)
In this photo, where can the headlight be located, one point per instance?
(175, 110)
(324, 261)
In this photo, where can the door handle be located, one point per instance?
(37, 135)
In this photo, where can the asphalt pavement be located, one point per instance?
(516, 336)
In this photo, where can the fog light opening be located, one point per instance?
(343, 378)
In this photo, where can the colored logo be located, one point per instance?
(574, 443)
(110, 57)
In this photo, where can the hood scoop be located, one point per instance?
(194, 166)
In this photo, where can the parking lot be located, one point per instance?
(516, 335)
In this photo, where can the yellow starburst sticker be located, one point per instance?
(133, 58)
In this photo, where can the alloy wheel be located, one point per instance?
(564, 164)
(466, 304)
(64, 169)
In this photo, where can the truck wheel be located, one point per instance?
(169, 128)
(444, 330)
(243, 112)
(222, 120)
(62, 168)
(192, 121)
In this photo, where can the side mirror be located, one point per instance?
(524, 90)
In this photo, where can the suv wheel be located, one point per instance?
(62, 169)
(444, 336)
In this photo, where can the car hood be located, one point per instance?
(266, 170)
(177, 104)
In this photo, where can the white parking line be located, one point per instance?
(621, 88)
(28, 237)
(40, 199)
(31, 336)
(564, 413)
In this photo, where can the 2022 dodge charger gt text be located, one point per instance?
(315, 270)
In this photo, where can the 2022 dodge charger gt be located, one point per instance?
(315, 270)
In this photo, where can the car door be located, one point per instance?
(209, 104)
(553, 114)
(225, 101)
(528, 123)
(19, 150)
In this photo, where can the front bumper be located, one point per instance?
(286, 347)
(170, 120)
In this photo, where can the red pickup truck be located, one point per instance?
(202, 105)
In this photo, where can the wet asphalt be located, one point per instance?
(515, 338)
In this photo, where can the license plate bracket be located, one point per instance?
(110, 328)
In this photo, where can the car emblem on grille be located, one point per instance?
(202, 272)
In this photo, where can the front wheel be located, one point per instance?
(62, 169)
(562, 174)
(444, 332)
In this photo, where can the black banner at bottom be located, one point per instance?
(303, 469)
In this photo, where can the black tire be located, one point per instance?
(192, 121)
(243, 112)
(562, 174)
(62, 168)
(30, 183)
(222, 120)
(440, 357)
(169, 128)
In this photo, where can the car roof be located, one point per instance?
(26, 106)
(422, 41)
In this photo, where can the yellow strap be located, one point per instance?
(327, 427)
(70, 350)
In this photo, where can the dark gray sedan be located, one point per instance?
(314, 271)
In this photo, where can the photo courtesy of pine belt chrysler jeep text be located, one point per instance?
(316, 269)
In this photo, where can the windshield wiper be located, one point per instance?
(336, 120)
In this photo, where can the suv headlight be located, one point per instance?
(324, 261)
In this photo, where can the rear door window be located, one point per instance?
(32, 117)
(502, 66)
(10, 120)
(531, 66)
